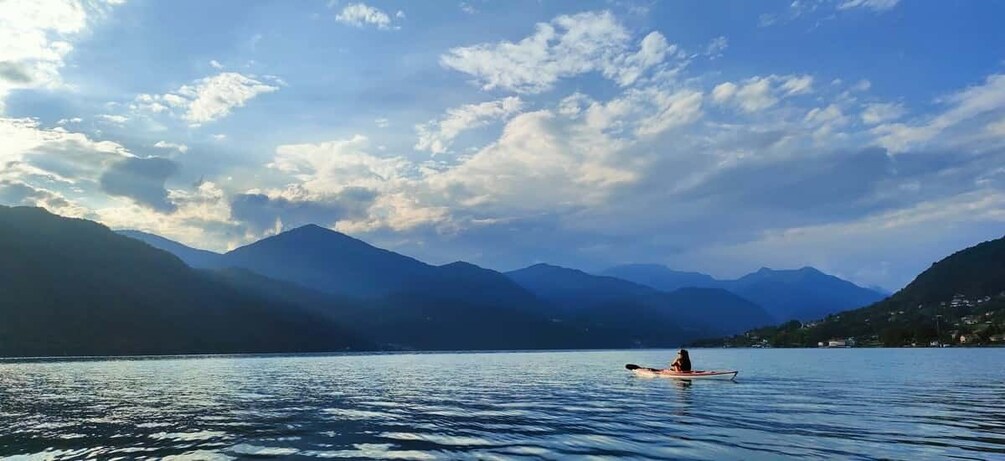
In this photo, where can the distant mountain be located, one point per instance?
(802, 294)
(661, 277)
(201, 259)
(960, 299)
(422, 321)
(73, 287)
(574, 288)
(330, 261)
(624, 304)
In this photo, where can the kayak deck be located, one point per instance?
(695, 374)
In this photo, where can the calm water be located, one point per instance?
(826, 404)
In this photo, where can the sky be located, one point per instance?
(865, 138)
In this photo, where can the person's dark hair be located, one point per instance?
(685, 364)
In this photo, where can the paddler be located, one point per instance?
(682, 363)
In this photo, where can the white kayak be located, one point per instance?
(694, 374)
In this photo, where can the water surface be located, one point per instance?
(801, 404)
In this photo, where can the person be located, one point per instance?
(682, 363)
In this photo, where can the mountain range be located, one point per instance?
(74, 287)
(958, 300)
(800, 294)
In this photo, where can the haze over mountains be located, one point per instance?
(74, 287)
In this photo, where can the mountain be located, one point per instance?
(661, 277)
(958, 299)
(574, 288)
(423, 322)
(406, 303)
(630, 306)
(201, 259)
(802, 294)
(395, 301)
(329, 261)
(74, 287)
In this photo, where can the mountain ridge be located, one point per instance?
(958, 299)
(802, 294)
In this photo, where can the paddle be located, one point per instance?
(632, 366)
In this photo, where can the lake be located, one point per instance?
(801, 404)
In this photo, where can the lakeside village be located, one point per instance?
(959, 322)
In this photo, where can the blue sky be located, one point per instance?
(862, 137)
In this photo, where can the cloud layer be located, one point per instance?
(584, 138)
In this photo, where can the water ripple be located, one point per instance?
(797, 404)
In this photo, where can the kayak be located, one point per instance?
(694, 374)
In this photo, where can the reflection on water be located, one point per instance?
(824, 404)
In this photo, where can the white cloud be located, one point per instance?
(170, 145)
(467, 8)
(361, 14)
(759, 93)
(215, 64)
(567, 46)
(797, 84)
(329, 167)
(382, 122)
(876, 113)
(964, 106)
(671, 110)
(716, 47)
(115, 119)
(875, 5)
(756, 95)
(67, 121)
(207, 99)
(723, 92)
(436, 136)
(54, 162)
(35, 37)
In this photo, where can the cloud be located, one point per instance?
(59, 165)
(436, 135)
(467, 7)
(113, 119)
(263, 213)
(35, 38)
(328, 167)
(875, 5)
(361, 14)
(823, 10)
(142, 180)
(716, 47)
(215, 64)
(170, 145)
(567, 46)
(53, 155)
(759, 93)
(876, 113)
(971, 105)
(207, 99)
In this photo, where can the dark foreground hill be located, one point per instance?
(73, 287)
(960, 299)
